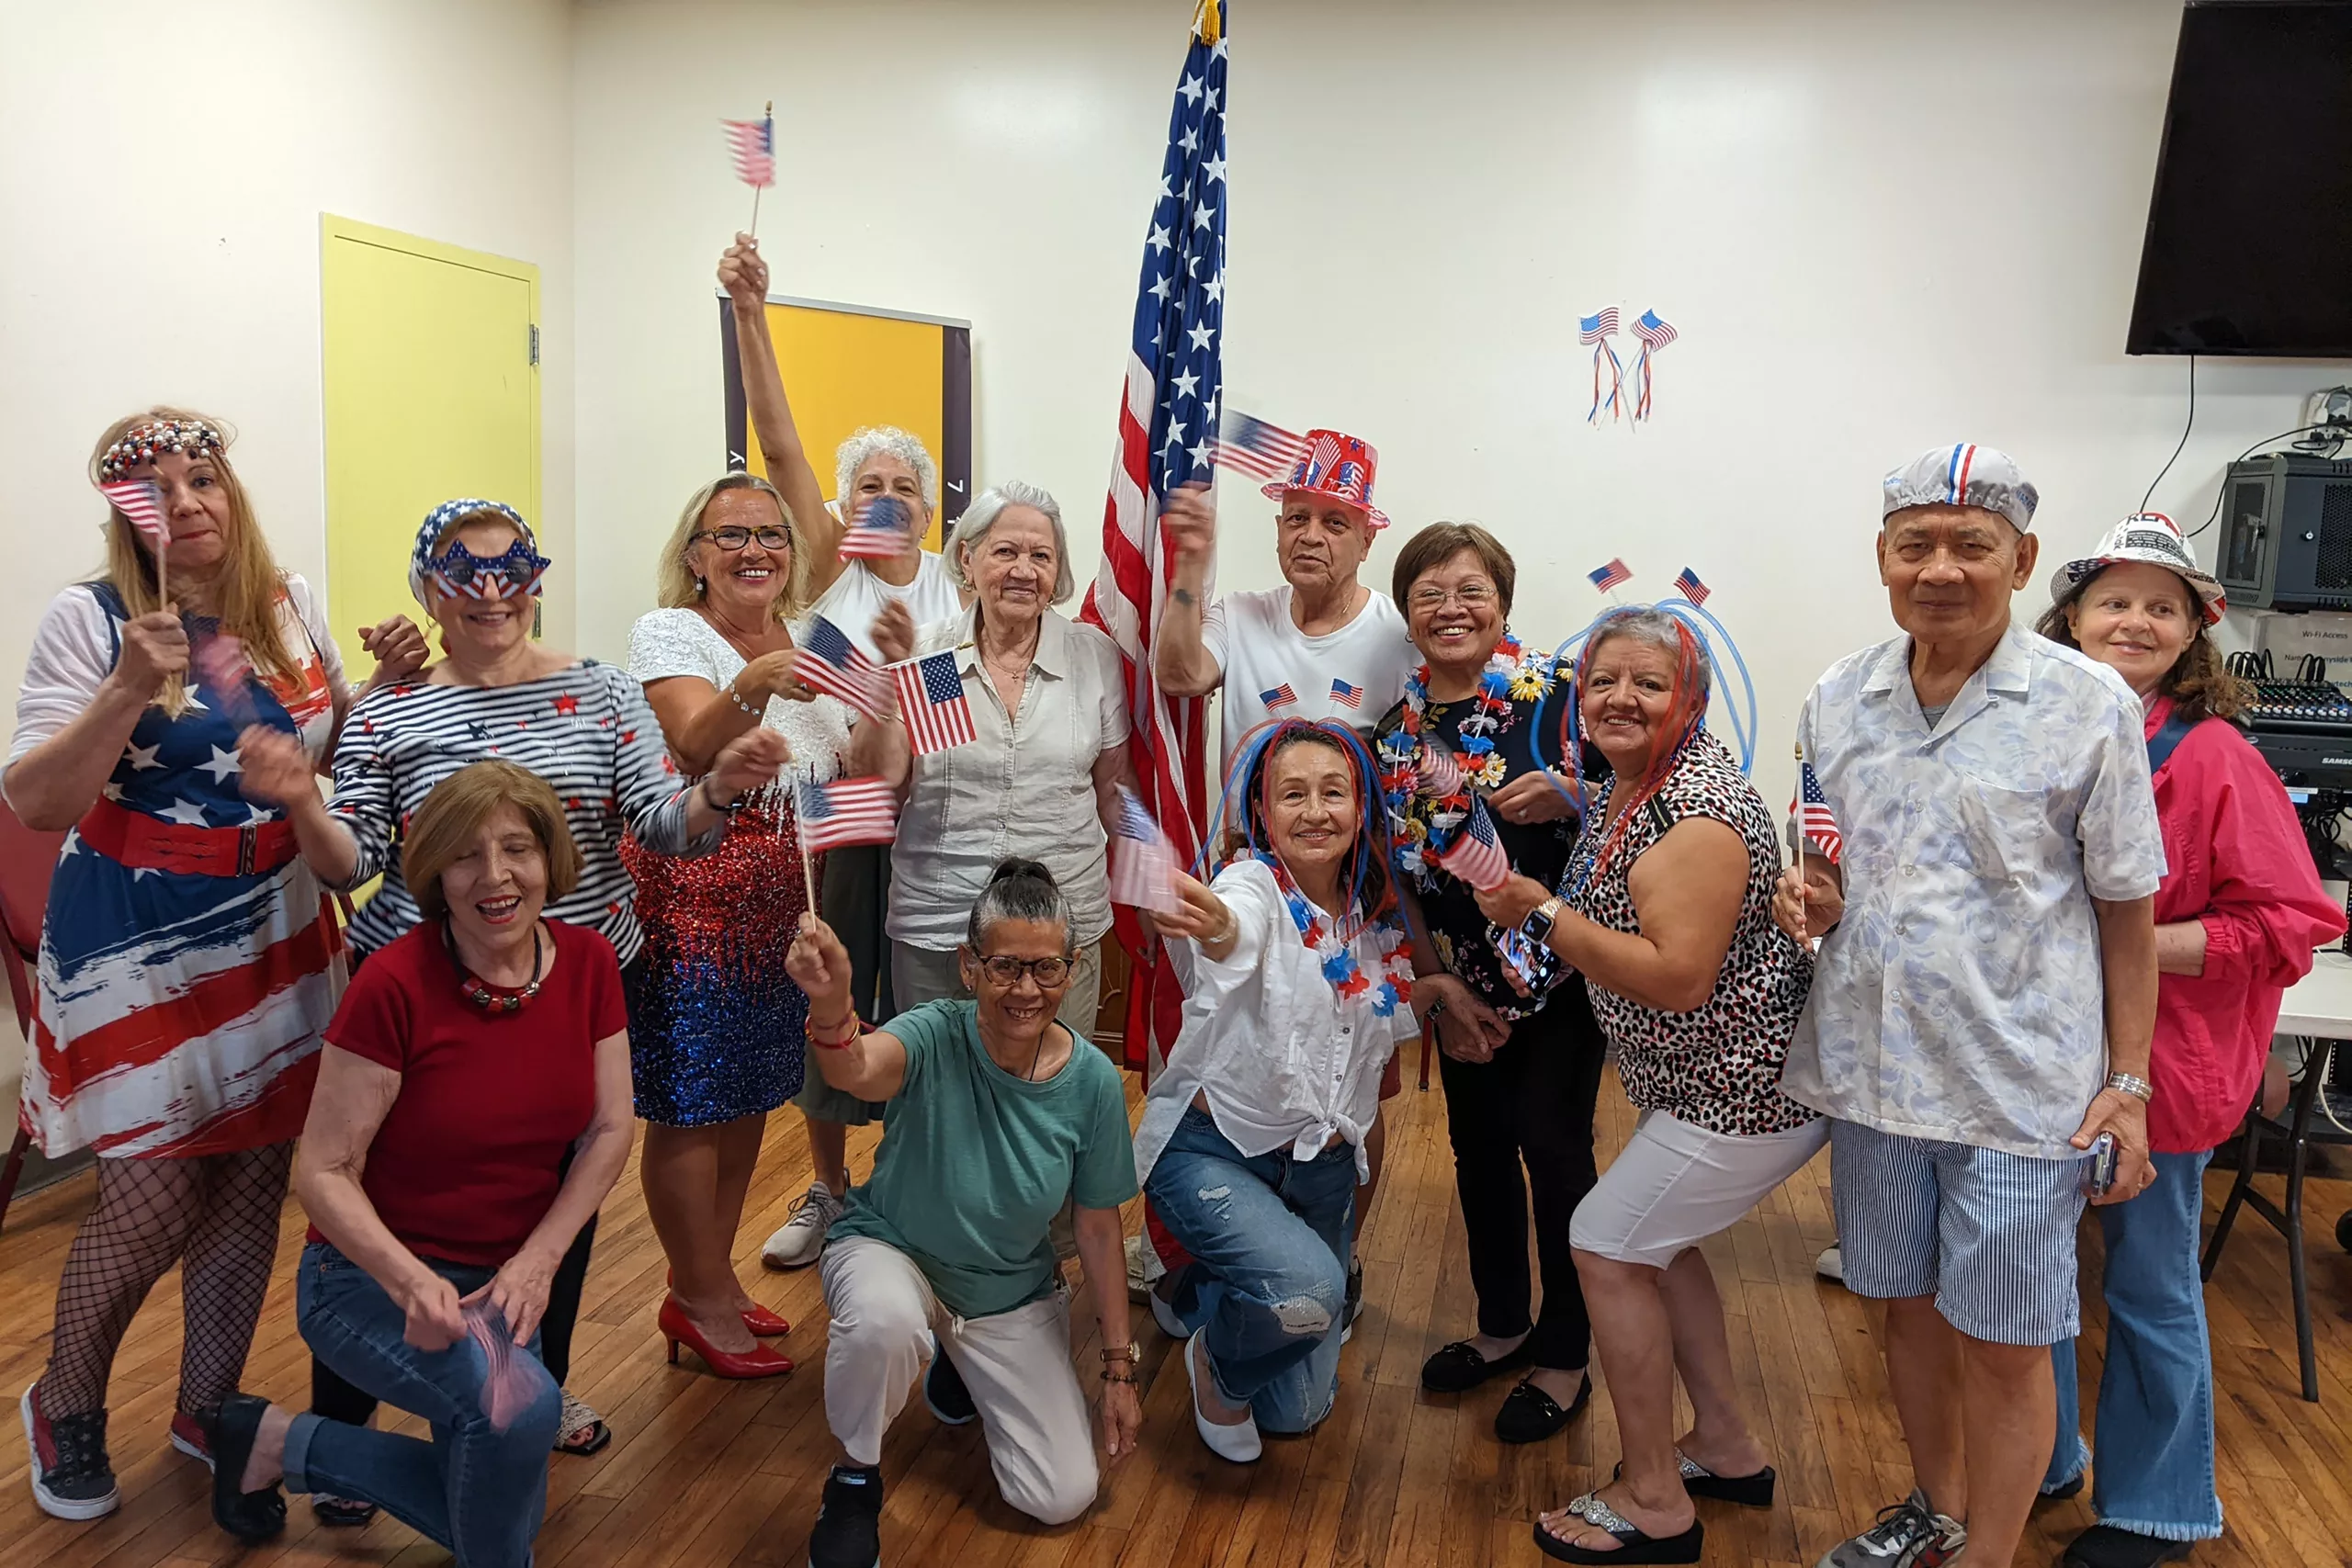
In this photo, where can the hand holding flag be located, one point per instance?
(141, 501)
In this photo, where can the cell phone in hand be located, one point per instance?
(2099, 1165)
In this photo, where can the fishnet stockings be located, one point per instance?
(217, 1214)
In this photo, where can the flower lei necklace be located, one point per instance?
(1402, 769)
(1335, 949)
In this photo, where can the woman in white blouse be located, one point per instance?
(1039, 778)
(1251, 1144)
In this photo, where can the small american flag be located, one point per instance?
(1441, 775)
(1347, 696)
(880, 530)
(1653, 332)
(1692, 588)
(141, 501)
(1593, 329)
(1143, 863)
(930, 697)
(1249, 445)
(1476, 855)
(1611, 576)
(1814, 818)
(1281, 696)
(835, 665)
(847, 811)
(753, 143)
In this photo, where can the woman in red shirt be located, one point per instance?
(2237, 918)
(473, 1110)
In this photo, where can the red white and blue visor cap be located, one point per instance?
(1340, 467)
(1964, 475)
(2151, 538)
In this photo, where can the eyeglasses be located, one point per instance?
(1005, 972)
(1470, 596)
(732, 539)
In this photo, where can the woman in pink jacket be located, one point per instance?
(2237, 918)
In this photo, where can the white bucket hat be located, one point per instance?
(1961, 475)
(2151, 537)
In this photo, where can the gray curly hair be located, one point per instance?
(885, 440)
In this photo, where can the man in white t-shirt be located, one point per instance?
(1322, 646)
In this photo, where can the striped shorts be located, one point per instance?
(1989, 1234)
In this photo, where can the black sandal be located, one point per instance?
(1458, 1367)
(1530, 1415)
(1633, 1545)
(229, 1433)
(1747, 1491)
(341, 1513)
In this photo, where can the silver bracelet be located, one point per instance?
(735, 697)
(2132, 1084)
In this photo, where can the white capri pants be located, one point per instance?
(1015, 1363)
(1673, 1185)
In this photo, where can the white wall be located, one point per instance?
(1876, 230)
(162, 168)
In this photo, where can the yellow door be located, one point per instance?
(432, 392)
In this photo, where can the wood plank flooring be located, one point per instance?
(705, 1474)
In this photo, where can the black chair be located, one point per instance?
(2295, 1131)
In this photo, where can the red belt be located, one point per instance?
(136, 839)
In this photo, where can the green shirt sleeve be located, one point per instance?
(1106, 1174)
(923, 1030)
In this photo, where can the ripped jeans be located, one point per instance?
(1269, 1236)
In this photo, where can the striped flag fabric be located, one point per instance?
(1687, 583)
(1247, 444)
(1653, 332)
(836, 667)
(752, 144)
(1614, 575)
(1347, 696)
(1441, 774)
(1477, 855)
(1815, 819)
(1591, 330)
(931, 701)
(847, 811)
(1279, 697)
(1167, 434)
(1143, 863)
(141, 501)
(880, 530)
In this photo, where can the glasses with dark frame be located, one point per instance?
(732, 539)
(1004, 971)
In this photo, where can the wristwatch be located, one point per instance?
(2132, 1084)
(1537, 927)
(728, 809)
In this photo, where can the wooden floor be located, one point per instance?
(705, 1473)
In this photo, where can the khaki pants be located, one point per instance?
(1015, 1363)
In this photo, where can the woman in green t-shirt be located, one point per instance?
(996, 1117)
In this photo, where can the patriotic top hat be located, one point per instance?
(1339, 466)
(2151, 538)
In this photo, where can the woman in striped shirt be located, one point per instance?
(582, 726)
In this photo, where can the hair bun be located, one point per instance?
(1006, 869)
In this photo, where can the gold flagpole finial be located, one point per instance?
(1208, 22)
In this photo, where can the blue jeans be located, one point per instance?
(474, 1490)
(1269, 1238)
(2155, 1397)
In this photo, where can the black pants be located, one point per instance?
(1532, 1104)
(853, 896)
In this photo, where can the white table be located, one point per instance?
(2319, 1004)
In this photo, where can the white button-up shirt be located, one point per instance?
(1023, 785)
(1961, 998)
(1283, 1060)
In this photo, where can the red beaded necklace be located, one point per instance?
(495, 1000)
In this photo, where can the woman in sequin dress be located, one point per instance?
(717, 1038)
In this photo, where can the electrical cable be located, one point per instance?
(2298, 430)
(2184, 437)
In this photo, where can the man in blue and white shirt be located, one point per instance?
(1986, 990)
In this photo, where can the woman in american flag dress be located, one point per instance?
(188, 958)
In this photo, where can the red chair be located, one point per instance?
(27, 858)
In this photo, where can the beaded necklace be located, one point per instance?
(1400, 755)
(1335, 950)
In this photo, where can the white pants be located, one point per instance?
(1015, 1363)
(1673, 1185)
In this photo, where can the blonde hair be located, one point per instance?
(454, 813)
(250, 586)
(675, 586)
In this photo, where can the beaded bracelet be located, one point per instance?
(736, 697)
(1127, 1377)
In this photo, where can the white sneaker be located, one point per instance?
(1831, 1264)
(1240, 1444)
(1144, 1267)
(802, 1237)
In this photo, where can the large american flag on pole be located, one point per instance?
(1166, 436)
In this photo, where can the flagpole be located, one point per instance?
(1796, 836)
(770, 118)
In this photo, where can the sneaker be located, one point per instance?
(1908, 1535)
(802, 1237)
(1352, 1308)
(1831, 1264)
(1144, 1267)
(848, 1533)
(944, 1390)
(188, 1435)
(71, 1478)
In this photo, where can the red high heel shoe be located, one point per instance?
(757, 1318)
(678, 1329)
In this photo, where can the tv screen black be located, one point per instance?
(2249, 241)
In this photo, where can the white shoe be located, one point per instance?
(802, 1237)
(1831, 1264)
(1165, 1315)
(1240, 1443)
(1144, 1267)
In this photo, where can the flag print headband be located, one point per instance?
(140, 443)
(458, 572)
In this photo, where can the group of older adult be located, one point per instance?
(1424, 821)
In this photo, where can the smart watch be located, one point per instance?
(1537, 927)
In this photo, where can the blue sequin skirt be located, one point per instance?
(718, 1030)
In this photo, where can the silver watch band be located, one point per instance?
(2132, 1084)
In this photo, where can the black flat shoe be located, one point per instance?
(1457, 1369)
(1530, 1415)
(229, 1434)
(2104, 1546)
(1747, 1491)
(2062, 1491)
(1633, 1545)
(342, 1513)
